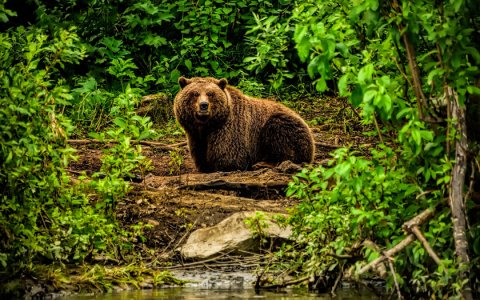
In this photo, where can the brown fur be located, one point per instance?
(237, 131)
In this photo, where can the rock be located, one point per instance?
(231, 235)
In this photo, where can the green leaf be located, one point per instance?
(120, 122)
(188, 64)
(473, 90)
(415, 133)
(342, 85)
(369, 95)
(357, 96)
(474, 53)
(457, 4)
(321, 85)
(365, 74)
(313, 67)
(303, 49)
(433, 74)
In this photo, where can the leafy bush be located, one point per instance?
(368, 48)
(44, 216)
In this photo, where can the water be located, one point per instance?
(224, 285)
(198, 293)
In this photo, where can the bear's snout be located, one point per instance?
(203, 106)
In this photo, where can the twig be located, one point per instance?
(412, 63)
(340, 256)
(416, 231)
(412, 227)
(423, 194)
(378, 129)
(392, 269)
(74, 172)
(401, 68)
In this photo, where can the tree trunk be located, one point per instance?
(456, 189)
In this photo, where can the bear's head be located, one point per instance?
(202, 102)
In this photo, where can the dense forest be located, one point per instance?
(402, 205)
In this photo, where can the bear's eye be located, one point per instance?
(196, 94)
(210, 94)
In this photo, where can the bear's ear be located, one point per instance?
(222, 83)
(182, 81)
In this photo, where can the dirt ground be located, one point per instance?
(177, 201)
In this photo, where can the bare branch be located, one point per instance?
(392, 269)
(416, 221)
(416, 231)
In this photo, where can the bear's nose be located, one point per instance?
(203, 105)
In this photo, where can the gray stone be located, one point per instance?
(230, 236)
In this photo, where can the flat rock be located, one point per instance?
(231, 236)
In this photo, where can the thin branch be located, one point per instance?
(392, 269)
(416, 231)
(416, 221)
(340, 256)
(402, 70)
(412, 63)
(391, 252)
(378, 129)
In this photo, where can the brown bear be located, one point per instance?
(227, 130)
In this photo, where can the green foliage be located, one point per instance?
(149, 44)
(356, 199)
(257, 225)
(81, 67)
(271, 43)
(40, 212)
(98, 278)
(45, 216)
(175, 163)
(361, 47)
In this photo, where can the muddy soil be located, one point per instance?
(177, 201)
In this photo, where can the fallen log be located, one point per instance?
(235, 186)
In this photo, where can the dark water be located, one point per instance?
(197, 293)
